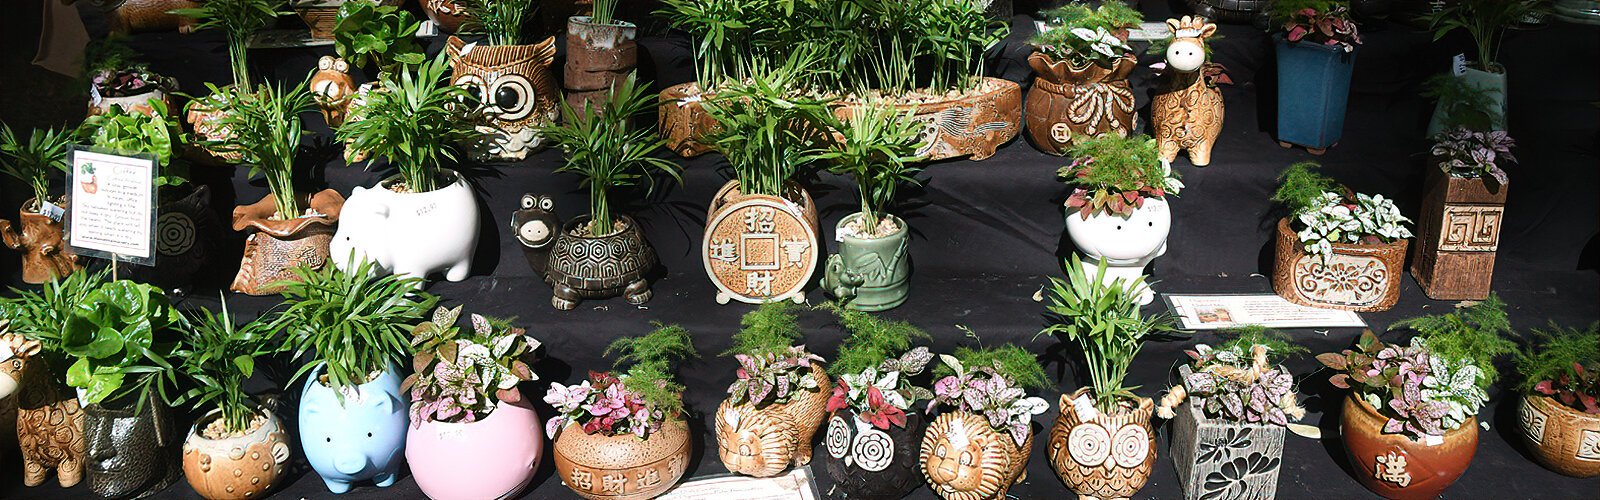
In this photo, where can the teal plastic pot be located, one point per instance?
(1491, 84)
(870, 274)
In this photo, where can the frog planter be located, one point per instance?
(360, 438)
(870, 274)
(1124, 243)
(763, 442)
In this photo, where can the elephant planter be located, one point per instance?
(763, 442)
(1125, 243)
(1397, 466)
(870, 463)
(682, 116)
(360, 438)
(409, 234)
(598, 56)
(517, 90)
(1186, 111)
(1458, 235)
(1069, 102)
(1313, 88)
(493, 457)
(131, 448)
(622, 467)
(1560, 438)
(1356, 277)
(1103, 455)
(42, 243)
(49, 420)
(965, 459)
(870, 274)
(278, 245)
(760, 248)
(236, 466)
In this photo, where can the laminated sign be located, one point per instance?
(113, 208)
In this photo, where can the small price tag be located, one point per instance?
(94, 94)
(1458, 64)
(52, 211)
(1085, 408)
(428, 28)
(1432, 440)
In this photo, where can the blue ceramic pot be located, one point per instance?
(363, 438)
(1313, 87)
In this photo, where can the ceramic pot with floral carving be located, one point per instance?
(870, 463)
(764, 442)
(223, 466)
(41, 241)
(1559, 437)
(1397, 466)
(1067, 102)
(1356, 277)
(276, 245)
(494, 457)
(963, 458)
(49, 420)
(1103, 455)
(187, 232)
(622, 467)
(131, 447)
(516, 86)
(760, 248)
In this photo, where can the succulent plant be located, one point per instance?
(1468, 153)
(462, 377)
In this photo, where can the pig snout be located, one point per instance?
(349, 462)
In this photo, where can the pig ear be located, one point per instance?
(384, 404)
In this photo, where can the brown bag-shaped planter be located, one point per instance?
(1109, 456)
(278, 245)
(1068, 103)
(683, 120)
(622, 467)
(965, 459)
(764, 442)
(1357, 277)
(1457, 236)
(1560, 438)
(760, 248)
(598, 56)
(42, 243)
(138, 16)
(1396, 466)
(973, 124)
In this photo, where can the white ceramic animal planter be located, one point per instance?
(411, 234)
(1126, 243)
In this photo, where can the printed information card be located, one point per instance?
(1215, 312)
(112, 213)
(798, 484)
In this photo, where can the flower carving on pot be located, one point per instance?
(1186, 110)
(874, 435)
(1342, 251)
(49, 422)
(516, 91)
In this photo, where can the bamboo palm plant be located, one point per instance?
(1485, 20)
(413, 122)
(1104, 319)
(266, 131)
(602, 145)
(239, 19)
(500, 21)
(877, 146)
(356, 322)
(767, 130)
(604, 12)
(218, 356)
(31, 161)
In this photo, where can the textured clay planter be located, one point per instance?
(131, 448)
(1108, 456)
(42, 243)
(599, 267)
(870, 274)
(963, 458)
(1313, 88)
(1457, 236)
(760, 248)
(278, 245)
(870, 463)
(495, 457)
(973, 124)
(1068, 103)
(622, 467)
(1125, 243)
(518, 90)
(136, 16)
(186, 234)
(236, 468)
(361, 438)
(1490, 84)
(1186, 111)
(764, 442)
(598, 56)
(49, 420)
(1357, 277)
(409, 234)
(1217, 458)
(208, 126)
(139, 103)
(681, 114)
(1560, 438)
(1397, 467)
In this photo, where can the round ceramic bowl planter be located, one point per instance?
(1313, 88)
(760, 248)
(1102, 455)
(277, 245)
(683, 119)
(137, 103)
(236, 467)
(495, 457)
(1125, 243)
(1491, 84)
(409, 234)
(598, 56)
(870, 463)
(518, 92)
(40, 241)
(622, 467)
(870, 274)
(130, 451)
(361, 438)
(1397, 466)
(962, 458)
(1357, 277)
(1068, 102)
(1238, 460)
(972, 124)
(1457, 236)
(582, 267)
(764, 442)
(1560, 438)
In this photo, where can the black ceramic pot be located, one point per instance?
(871, 463)
(187, 233)
(131, 450)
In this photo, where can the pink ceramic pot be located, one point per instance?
(491, 458)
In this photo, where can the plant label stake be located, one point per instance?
(113, 212)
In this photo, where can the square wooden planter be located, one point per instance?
(1217, 459)
(1457, 236)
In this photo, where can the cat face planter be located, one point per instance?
(41, 242)
(359, 439)
(409, 234)
(1105, 455)
(622, 467)
(760, 248)
(517, 89)
(1125, 243)
(1560, 438)
(494, 457)
(49, 420)
(870, 274)
(1396, 466)
(130, 449)
(1069, 103)
(965, 459)
(236, 467)
(870, 463)
(277, 245)
(1357, 277)
(763, 442)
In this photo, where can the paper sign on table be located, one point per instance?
(1214, 312)
(112, 212)
(798, 484)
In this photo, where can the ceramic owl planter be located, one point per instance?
(131, 448)
(870, 463)
(236, 467)
(494, 457)
(41, 241)
(598, 57)
(49, 420)
(517, 89)
(974, 124)
(1560, 438)
(622, 467)
(1396, 466)
(358, 439)
(760, 248)
(278, 245)
(332, 88)
(764, 442)
(1125, 243)
(963, 458)
(870, 274)
(682, 117)
(1105, 455)
(410, 234)
(1186, 111)
(1356, 277)
(1068, 102)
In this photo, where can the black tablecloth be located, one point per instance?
(987, 234)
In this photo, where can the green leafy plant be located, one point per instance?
(1463, 104)
(414, 122)
(766, 130)
(157, 133)
(356, 323)
(1323, 213)
(602, 144)
(1421, 394)
(1485, 20)
(638, 401)
(1563, 363)
(218, 355)
(991, 382)
(652, 357)
(1475, 335)
(1322, 22)
(32, 161)
(266, 130)
(879, 364)
(872, 339)
(772, 369)
(501, 21)
(604, 11)
(239, 19)
(1083, 35)
(735, 37)
(1111, 15)
(1242, 379)
(377, 36)
(41, 315)
(462, 376)
(111, 336)
(1115, 174)
(1104, 319)
(877, 146)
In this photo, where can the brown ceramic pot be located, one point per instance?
(1560, 438)
(42, 243)
(1395, 466)
(965, 459)
(764, 442)
(49, 420)
(1068, 102)
(1108, 456)
(276, 245)
(973, 124)
(207, 124)
(323, 15)
(1357, 277)
(598, 56)
(445, 13)
(622, 467)
(236, 468)
(760, 248)
(682, 117)
(333, 88)
(518, 92)
(1457, 236)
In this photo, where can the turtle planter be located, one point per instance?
(1357, 277)
(760, 248)
(1067, 103)
(622, 467)
(1396, 466)
(870, 463)
(964, 459)
(278, 245)
(763, 442)
(237, 467)
(683, 119)
(598, 267)
(1560, 438)
(1107, 455)
(42, 243)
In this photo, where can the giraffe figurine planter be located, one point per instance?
(49, 424)
(1186, 111)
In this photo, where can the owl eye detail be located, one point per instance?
(325, 63)
(341, 66)
(547, 204)
(511, 97)
(474, 85)
(528, 202)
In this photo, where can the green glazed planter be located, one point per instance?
(1491, 84)
(870, 274)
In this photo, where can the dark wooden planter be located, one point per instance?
(1215, 458)
(1457, 236)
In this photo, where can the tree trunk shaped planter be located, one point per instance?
(682, 117)
(1218, 459)
(1125, 243)
(1232, 11)
(1186, 111)
(495, 457)
(236, 467)
(1357, 277)
(1313, 88)
(622, 467)
(870, 274)
(870, 463)
(1108, 456)
(42, 243)
(137, 16)
(1457, 236)
(1067, 103)
(760, 248)
(131, 448)
(1560, 438)
(518, 90)
(964, 459)
(362, 437)
(764, 442)
(408, 233)
(973, 124)
(1396, 466)
(1490, 84)
(49, 420)
(598, 56)
(278, 245)
(186, 235)
(445, 13)
(599, 267)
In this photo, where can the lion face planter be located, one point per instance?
(965, 459)
(764, 442)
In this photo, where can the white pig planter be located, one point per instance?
(1126, 243)
(410, 234)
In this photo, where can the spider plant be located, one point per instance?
(240, 19)
(601, 145)
(266, 130)
(1104, 319)
(219, 355)
(767, 130)
(877, 146)
(1484, 20)
(412, 121)
(31, 161)
(41, 315)
(500, 21)
(356, 322)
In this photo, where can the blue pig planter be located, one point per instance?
(363, 438)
